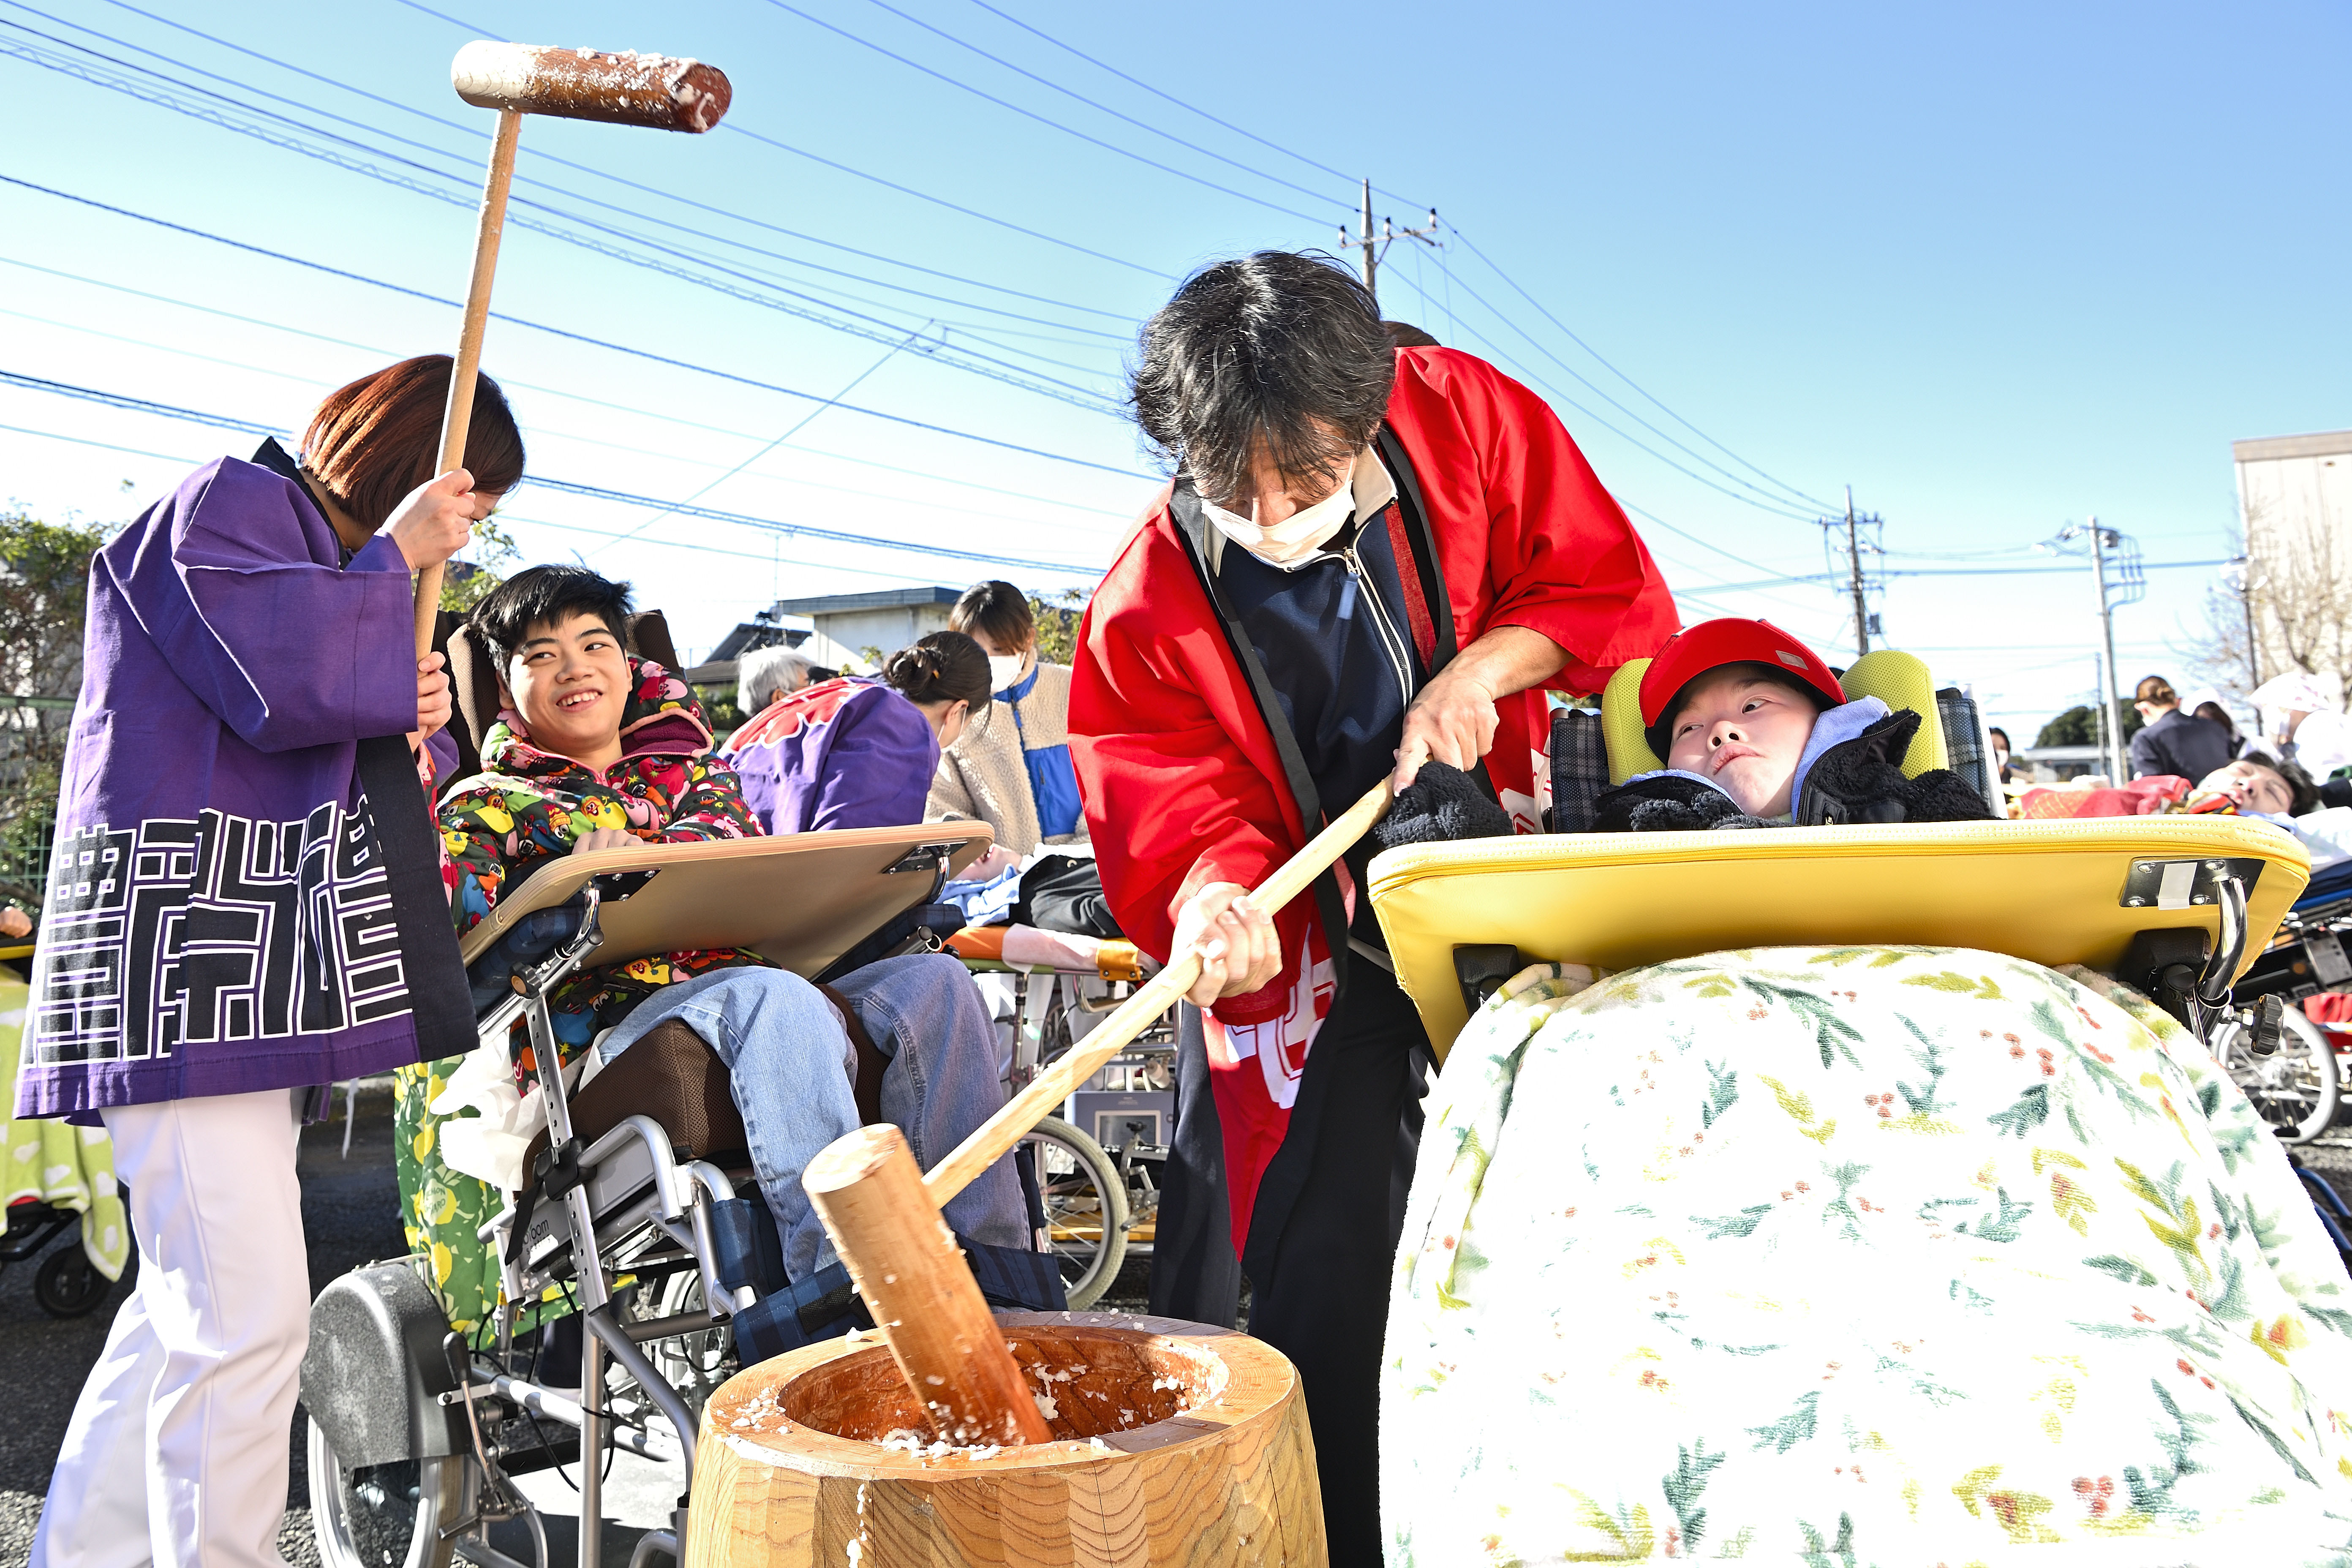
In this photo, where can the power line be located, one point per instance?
(1104, 108)
(1588, 348)
(1185, 104)
(1771, 504)
(644, 355)
(1763, 499)
(1040, 118)
(857, 324)
(936, 201)
(959, 482)
(565, 486)
(538, 153)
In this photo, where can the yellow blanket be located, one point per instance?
(71, 1168)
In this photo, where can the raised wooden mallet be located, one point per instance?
(884, 1214)
(517, 80)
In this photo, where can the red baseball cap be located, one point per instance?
(1693, 651)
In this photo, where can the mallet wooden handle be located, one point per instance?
(995, 1137)
(458, 418)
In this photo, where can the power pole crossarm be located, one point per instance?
(1372, 244)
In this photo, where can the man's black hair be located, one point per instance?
(1282, 347)
(548, 595)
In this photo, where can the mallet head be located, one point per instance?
(582, 84)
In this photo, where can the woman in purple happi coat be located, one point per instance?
(244, 905)
(858, 752)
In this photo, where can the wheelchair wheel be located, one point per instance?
(386, 1516)
(1086, 1209)
(2295, 1089)
(68, 1284)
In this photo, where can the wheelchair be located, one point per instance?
(1097, 1173)
(2298, 1088)
(639, 1211)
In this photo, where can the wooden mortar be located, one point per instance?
(1213, 1466)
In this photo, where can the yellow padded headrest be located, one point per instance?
(1898, 679)
(1622, 730)
(1901, 680)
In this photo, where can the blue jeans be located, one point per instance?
(784, 1052)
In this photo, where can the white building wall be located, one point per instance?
(2295, 500)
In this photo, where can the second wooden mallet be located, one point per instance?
(515, 79)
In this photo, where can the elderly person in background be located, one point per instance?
(765, 674)
(2314, 731)
(2170, 741)
(1011, 768)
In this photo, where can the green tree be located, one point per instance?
(2079, 726)
(43, 590)
(1058, 624)
(468, 582)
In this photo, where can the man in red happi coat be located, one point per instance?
(1369, 557)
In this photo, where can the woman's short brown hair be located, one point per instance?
(372, 442)
(2156, 691)
(997, 611)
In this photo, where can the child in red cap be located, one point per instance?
(1757, 732)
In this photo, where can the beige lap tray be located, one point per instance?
(2049, 892)
(801, 899)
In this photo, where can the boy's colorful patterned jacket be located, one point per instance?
(528, 805)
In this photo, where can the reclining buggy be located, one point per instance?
(1852, 1194)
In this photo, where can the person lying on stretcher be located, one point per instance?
(595, 749)
(1757, 732)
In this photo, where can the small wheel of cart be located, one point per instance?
(2296, 1088)
(68, 1284)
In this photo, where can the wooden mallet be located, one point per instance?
(517, 80)
(884, 1214)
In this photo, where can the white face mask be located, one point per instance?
(1004, 670)
(1295, 537)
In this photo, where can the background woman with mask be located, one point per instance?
(1011, 768)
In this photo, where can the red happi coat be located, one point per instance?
(1183, 783)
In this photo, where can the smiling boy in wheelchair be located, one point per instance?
(595, 749)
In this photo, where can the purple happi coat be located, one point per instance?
(243, 895)
(847, 752)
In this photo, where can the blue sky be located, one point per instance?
(1998, 269)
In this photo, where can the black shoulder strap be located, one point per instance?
(1192, 527)
(1427, 566)
(1424, 547)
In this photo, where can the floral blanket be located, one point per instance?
(1851, 1257)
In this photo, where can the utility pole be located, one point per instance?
(1374, 245)
(1854, 566)
(2110, 700)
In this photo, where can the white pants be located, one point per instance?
(177, 1452)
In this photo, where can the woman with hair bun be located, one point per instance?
(859, 750)
(245, 907)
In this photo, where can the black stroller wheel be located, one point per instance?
(68, 1284)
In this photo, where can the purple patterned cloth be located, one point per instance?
(221, 911)
(848, 753)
